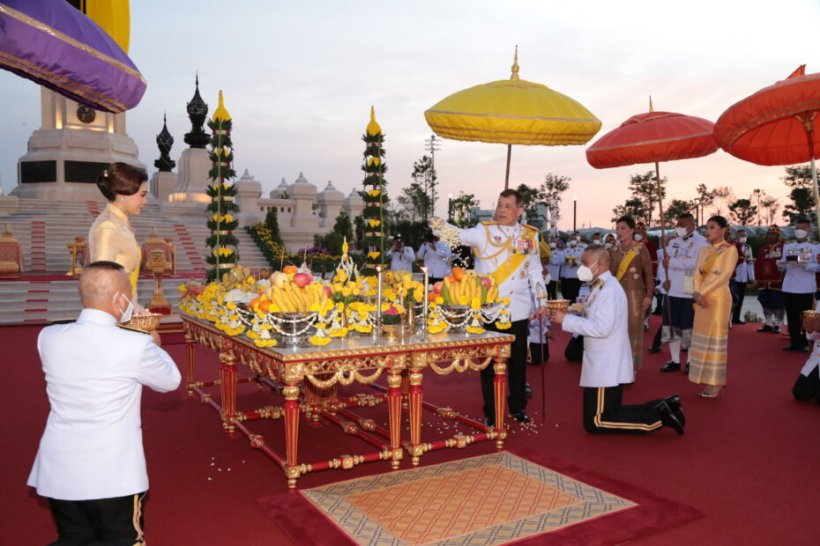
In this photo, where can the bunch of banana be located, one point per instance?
(236, 277)
(467, 288)
(291, 298)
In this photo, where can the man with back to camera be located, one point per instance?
(509, 252)
(90, 463)
(679, 260)
(607, 360)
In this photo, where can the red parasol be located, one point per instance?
(775, 126)
(651, 138)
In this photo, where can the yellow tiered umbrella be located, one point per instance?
(513, 111)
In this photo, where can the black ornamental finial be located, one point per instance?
(164, 143)
(197, 112)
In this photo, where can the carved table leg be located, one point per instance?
(415, 416)
(500, 392)
(405, 388)
(189, 362)
(227, 379)
(394, 398)
(292, 473)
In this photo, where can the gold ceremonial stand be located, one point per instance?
(317, 372)
(75, 248)
(158, 265)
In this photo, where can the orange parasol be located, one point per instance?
(775, 126)
(651, 138)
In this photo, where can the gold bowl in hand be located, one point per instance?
(146, 322)
(557, 305)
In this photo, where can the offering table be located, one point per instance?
(316, 372)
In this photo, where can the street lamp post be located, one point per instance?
(574, 213)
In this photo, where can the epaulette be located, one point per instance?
(529, 227)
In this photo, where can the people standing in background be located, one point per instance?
(660, 293)
(401, 256)
(679, 262)
(111, 237)
(769, 279)
(713, 305)
(554, 266)
(799, 264)
(630, 263)
(436, 256)
(609, 241)
(569, 270)
(744, 274)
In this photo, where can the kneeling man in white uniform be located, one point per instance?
(91, 464)
(607, 362)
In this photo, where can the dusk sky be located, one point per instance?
(299, 79)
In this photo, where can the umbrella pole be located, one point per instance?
(662, 244)
(507, 177)
(808, 124)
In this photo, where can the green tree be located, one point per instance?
(633, 207)
(704, 199)
(413, 204)
(272, 222)
(769, 206)
(743, 211)
(798, 176)
(532, 198)
(552, 188)
(425, 182)
(675, 208)
(802, 204)
(461, 210)
(645, 187)
(721, 198)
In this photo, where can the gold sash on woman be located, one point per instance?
(625, 263)
(710, 261)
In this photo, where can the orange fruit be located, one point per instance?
(255, 303)
(264, 306)
(290, 269)
(458, 274)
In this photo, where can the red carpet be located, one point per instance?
(748, 461)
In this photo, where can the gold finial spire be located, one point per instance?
(221, 113)
(515, 68)
(373, 128)
(651, 108)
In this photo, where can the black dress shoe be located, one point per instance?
(522, 417)
(738, 321)
(686, 369)
(654, 349)
(677, 410)
(765, 328)
(792, 348)
(489, 422)
(527, 391)
(668, 417)
(776, 329)
(671, 366)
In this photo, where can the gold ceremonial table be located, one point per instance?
(316, 372)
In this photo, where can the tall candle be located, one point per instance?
(378, 296)
(424, 308)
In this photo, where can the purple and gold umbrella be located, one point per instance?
(55, 45)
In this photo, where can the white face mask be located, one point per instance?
(741, 240)
(638, 237)
(800, 233)
(607, 245)
(552, 245)
(573, 242)
(681, 231)
(596, 241)
(129, 310)
(585, 274)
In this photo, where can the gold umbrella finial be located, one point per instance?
(221, 113)
(651, 108)
(373, 128)
(515, 67)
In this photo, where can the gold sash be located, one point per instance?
(513, 261)
(625, 263)
(710, 261)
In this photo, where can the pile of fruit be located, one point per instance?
(465, 288)
(292, 291)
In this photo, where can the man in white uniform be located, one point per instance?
(744, 274)
(509, 252)
(807, 386)
(401, 256)
(91, 464)
(436, 256)
(678, 314)
(607, 362)
(799, 262)
(570, 285)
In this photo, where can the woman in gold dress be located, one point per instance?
(111, 237)
(632, 266)
(713, 303)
